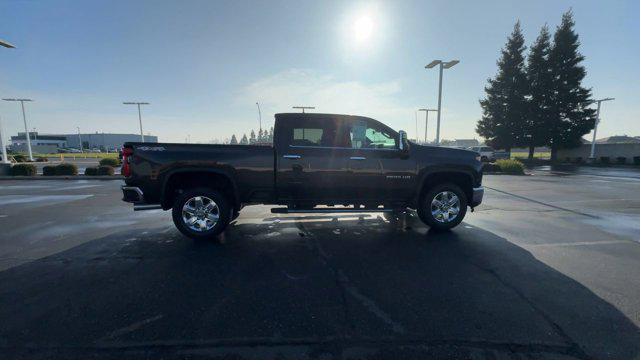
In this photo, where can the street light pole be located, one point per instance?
(416, 113)
(5, 159)
(259, 118)
(443, 65)
(595, 128)
(139, 115)
(426, 120)
(26, 128)
(80, 140)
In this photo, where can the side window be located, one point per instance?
(318, 133)
(307, 136)
(369, 136)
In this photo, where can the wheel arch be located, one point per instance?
(461, 178)
(181, 179)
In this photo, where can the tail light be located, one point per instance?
(126, 168)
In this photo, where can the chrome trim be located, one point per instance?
(357, 158)
(340, 148)
(291, 156)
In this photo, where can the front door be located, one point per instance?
(379, 171)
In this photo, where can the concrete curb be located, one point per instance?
(71, 177)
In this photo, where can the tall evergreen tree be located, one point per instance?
(234, 140)
(504, 109)
(252, 137)
(540, 80)
(570, 117)
(244, 140)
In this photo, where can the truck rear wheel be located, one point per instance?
(201, 213)
(443, 206)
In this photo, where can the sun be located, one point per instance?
(363, 28)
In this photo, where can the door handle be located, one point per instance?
(291, 156)
(357, 158)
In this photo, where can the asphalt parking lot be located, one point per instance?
(548, 267)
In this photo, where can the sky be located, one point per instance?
(203, 65)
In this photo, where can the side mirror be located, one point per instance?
(403, 140)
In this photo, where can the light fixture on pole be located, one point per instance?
(426, 122)
(26, 128)
(443, 65)
(595, 128)
(6, 44)
(139, 114)
(303, 108)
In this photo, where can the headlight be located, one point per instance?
(478, 158)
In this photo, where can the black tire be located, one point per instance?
(425, 206)
(224, 213)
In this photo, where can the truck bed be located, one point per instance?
(251, 167)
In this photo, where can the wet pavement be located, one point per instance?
(548, 267)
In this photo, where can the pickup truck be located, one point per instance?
(318, 163)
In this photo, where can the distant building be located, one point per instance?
(47, 143)
(618, 139)
(464, 143)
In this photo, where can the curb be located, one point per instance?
(71, 177)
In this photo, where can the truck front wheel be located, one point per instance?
(443, 206)
(201, 213)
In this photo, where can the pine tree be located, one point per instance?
(234, 140)
(270, 139)
(260, 136)
(540, 80)
(244, 140)
(570, 117)
(252, 137)
(504, 109)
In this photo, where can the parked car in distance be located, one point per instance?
(486, 153)
(317, 162)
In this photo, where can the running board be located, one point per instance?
(146, 207)
(325, 211)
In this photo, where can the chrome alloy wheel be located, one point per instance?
(445, 206)
(200, 213)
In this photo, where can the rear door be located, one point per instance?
(312, 164)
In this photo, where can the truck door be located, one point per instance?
(379, 171)
(312, 164)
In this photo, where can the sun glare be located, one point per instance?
(363, 28)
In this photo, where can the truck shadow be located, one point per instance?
(306, 286)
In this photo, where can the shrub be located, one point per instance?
(66, 169)
(605, 159)
(636, 160)
(621, 160)
(510, 166)
(20, 158)
(91, 171)
(42, 159)
(49, 170)
(105, 170)
(489, 167)
(23, 170)
(109, 162)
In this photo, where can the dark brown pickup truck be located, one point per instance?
(318, 163)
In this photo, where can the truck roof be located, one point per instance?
(297, 115)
